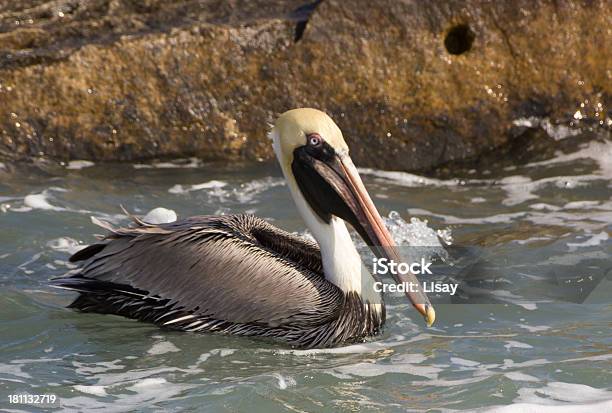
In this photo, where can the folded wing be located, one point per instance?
(236, 269)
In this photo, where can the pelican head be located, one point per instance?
(328, 191)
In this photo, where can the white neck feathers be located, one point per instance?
(342, 264)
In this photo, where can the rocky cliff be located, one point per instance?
(413, 84)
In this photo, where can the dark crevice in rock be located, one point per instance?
(302, 14)
(299, 30)
(459, 39)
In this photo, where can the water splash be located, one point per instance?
(160, 215)
(555, 131)
(79, 164)
(416, 233)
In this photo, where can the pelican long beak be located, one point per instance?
(381, 240)
(343, 194)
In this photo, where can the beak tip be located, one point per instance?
(430, 316)
(428, 312)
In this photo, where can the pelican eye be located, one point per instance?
(317, 148)
(314, 139)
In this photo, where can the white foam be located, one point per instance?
(600, 152)
(148, 392)
(518, 188)
(245, 193)
(369, 347)
(405, 363)
(451, 383)
(43, 201)
(582, 205)
(591, 241)
(463, 362)
(125, 377)
(248, 191)
(533, 329)
(177, 163)
(557, 132)
(518, 376)
(95, 390)
(516, 344)
(160, 216)
(162, 347)
(530, 122)
(79, 164)
(203, 358)
(584, 219)
(451, 219)
(511, 364)
(411, 180)
(224, 352)
(65, 244)
(14, 372)
(596, 407)
(180, 189)
(521, 188)
(529, 241)
(98, 367)
(540, 206)
(148, 382)
(40, 201)
(559, 393)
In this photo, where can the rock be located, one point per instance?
(414, 85)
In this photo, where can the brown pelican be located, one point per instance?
(237, 274)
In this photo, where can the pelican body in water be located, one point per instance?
(237, 274)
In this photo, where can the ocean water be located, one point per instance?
(530, 332)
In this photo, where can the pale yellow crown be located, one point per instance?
(293, 126)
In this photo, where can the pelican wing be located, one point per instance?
(236, 268)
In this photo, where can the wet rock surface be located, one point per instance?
(414, 85)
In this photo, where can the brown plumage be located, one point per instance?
(233, 274)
